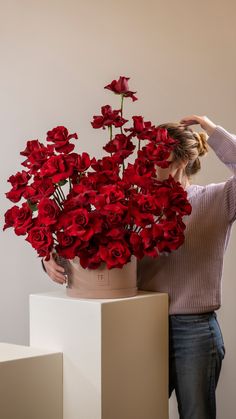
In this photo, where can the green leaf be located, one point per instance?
(32, 206)
(62, 182)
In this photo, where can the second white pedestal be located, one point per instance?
(115, 353)
(30, 383)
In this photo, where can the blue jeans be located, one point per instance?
(196, 351)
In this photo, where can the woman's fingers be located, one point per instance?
(204, 122)
(54, 270)
(56, 266)
(56, 276)
(190, 120)
(52, 264)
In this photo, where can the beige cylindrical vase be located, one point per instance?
(102, 282)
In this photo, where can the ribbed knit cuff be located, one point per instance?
(223, 143)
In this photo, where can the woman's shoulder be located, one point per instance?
(208, 189)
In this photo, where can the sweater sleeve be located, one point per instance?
(224, 145)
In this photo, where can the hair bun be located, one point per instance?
(202, 146)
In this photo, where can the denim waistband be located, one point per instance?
(185, 315)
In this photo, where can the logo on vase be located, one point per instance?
(102, 279)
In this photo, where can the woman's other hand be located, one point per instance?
(54, 270)
(203, 121)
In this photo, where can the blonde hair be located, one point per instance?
(191, 145)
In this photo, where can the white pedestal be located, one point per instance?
(30, 383)
(115, 353)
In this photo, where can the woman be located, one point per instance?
(192, 274)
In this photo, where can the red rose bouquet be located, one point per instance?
(100, 210)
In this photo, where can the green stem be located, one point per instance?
(122, 108)
(110, 129)
(122, 104)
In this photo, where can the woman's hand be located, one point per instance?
(54, 270)
(203, 121)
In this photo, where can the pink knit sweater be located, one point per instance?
(191, 275)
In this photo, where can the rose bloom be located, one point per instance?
(121, 87)
(60, 137)
(41, 239)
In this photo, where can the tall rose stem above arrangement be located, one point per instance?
(81, 206)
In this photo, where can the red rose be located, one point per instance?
(139, 173)
(58, 168)
(80, 226)
(15, 194)
(19, 183)
(139, 217)
(20, 218)
(136, 244)
(19, 180)
(107, 165)
(162, 136)
(80, 196)
(114, 213)
(91, 180)
(36, 154)
(121, 145)
(37, 158)
(83, 162)
(107, 172)
(179, 203)
(108, 118)
(121, 87)
(23, 220)
(161, 196)
(71, 159)
(115, 254)
(76, 223)
(143, 166)
(150, 240)
(10, 217)
(158, 154)
(90, 257)
(173, 236)
(41, 239)
(68, 246)
(138, 124)
(171, 198)
(32, 145)
(38, 189)
(108, 194)
(48, 211)
(142, 130)
(60, 137)
(146, 203)
(115, 233)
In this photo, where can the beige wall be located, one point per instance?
(56, 56)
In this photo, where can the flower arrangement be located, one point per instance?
(100, 210)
